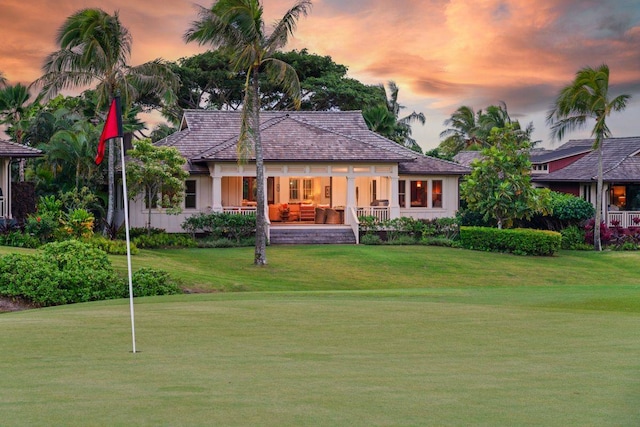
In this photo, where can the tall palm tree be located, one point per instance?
(95, 47)
(14, 110)
(403, 125)
(587, 97)
(463, 131)
(237, 27)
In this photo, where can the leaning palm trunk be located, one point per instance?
(597, 243)
(261, 226)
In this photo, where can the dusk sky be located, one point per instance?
(441, 53)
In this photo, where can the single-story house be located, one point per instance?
(573, 169)
(10, 151)
(320, 167)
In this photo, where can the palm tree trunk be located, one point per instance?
(597, 244)
(261, 226)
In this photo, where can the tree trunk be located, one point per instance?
(111, 181)
(261, 225)
(597, 244)
(21, 170)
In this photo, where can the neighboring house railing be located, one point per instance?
(382, 213)
(239, 210)
(623, 219)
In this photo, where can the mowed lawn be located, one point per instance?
(340, 335)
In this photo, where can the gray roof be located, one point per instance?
(11, 149)
(296, 136)
(425, 164)
(620, 161)
(569, 149)
(466, 157)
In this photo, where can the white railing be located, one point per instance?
(239, 210)
(351, 219)
(382, 213)
(624, 219)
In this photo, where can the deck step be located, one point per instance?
(312, 236)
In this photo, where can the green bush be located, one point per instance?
(17, 239)
(221, 225)
(112, 247)
(370, 239)
(150, 282)
(164, 240)
(516, 241)
(565, 210)
(43, 226)
(63, 273)
(573, 237)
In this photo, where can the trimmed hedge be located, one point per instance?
(519, 241)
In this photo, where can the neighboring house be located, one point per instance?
(573, 168)
(10, 151)
(320, 167)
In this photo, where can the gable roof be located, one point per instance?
(295, 136)
(11, 149)
(569, 149)
(620, 162)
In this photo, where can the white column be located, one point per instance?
(393, 201)
(216, 193)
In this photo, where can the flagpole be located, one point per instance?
(126, 230)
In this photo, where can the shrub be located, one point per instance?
(63, 273)
(221, 225)
(573, 237)
(17, 239)
(605, 232)
(78, 223)
(516, 241)
(370, 239)
(164, 240)
(403, 240)
(565, 210)
(150, 282)
(42, 226)
(112, 247)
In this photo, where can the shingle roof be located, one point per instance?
(570, 149)
(295, 136)
(431, 165)
(620, 162)
(11, 149)
(466, 157)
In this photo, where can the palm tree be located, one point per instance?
(587, 97)
(95, 47)
(3, 79)
(14, 110)
(237, 27)
(463, 131)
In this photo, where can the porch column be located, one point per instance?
(351, 192)
(394, 207)
(216, 193)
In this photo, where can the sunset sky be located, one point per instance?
(441, 53)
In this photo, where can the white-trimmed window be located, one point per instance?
(190, 199)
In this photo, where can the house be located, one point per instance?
(10, 151)
(322, 167)
(573, 169)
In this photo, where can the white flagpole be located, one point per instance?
(126, 230)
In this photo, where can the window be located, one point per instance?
(294, 192)
(307, 189)
(436, 193)
(249, 188)
(419, 193)
(402, 193)
(190, 194)
(618, 196)
(374, 190)
(586, 193)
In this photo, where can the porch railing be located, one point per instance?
(239, 210)
(382, 213)
(623, 219)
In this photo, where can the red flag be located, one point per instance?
(112, 128)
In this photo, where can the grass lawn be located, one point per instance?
(340, 335)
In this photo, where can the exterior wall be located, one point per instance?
(450, 198)
(5, 186)
(138, 214)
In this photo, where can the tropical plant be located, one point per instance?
(95, 47)
(3, 79)
(237, 26)
(156, 170)
(14, 110)
(385, 119)
(499, 186)
(587, 97)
